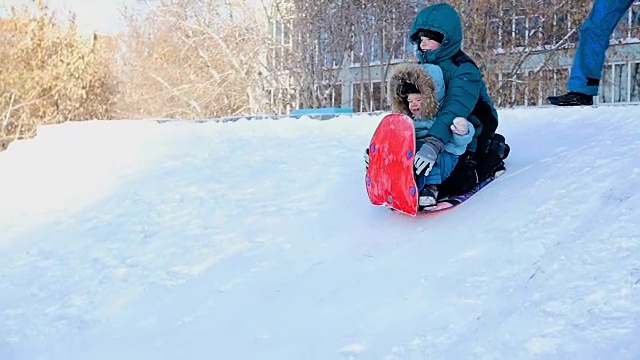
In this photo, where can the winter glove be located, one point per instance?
(426, 157)
(366, 159)
(460, 126)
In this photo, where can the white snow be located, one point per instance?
(256, 240)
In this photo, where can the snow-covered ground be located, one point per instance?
(256, 240)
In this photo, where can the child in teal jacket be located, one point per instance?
(437, 33)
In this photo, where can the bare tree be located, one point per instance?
(319, 42)
(383, 29)
(51, 73)
(315, 44)
(192, 58)
(517, 44)
(324, 37)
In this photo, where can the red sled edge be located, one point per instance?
(391, 152)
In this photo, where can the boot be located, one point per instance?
(571, 99)
(428, 196)
(500, 146)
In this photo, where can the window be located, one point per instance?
(534, 31)
(358, 51)
(286, 32)
(519, 31)
(283, 100)
(397, 49)
(496, 32)
(560, 27)
(634, 20)
(334, 59)
(367, 97)
(377, 101)
(376, 48)
(337, 95)
(357, 101)
(281, 35)
(409, 48)
(544, 78)
(268, 94)
(519, 88)
(628, 26)
(621, 82)
(614, 86)
(557, 78)
(606, 85)
(634, 87)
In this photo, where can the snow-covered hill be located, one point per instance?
(256, 240)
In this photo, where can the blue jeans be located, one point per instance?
(445, 162)
(592, 46)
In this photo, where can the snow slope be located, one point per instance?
(255, 240)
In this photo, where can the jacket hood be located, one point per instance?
(418, 76)
(444, 19)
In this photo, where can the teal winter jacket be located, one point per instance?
(466, 93)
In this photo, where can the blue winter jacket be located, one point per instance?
(428, 78)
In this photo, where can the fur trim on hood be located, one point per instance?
(418, 76)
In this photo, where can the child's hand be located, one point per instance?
(460, 126)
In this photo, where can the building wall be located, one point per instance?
(620, 81)
(362, 86)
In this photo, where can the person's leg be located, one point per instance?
(428, 184)
(463, 177)
(595, 33)
(489, 165)
(445, 163)
(589, 58)
(493, 159)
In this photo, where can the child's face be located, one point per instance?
(428, 44)
(415, 102)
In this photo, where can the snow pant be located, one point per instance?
(595, 32)
(445, 163)
(474, 168)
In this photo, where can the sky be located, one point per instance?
(102, 16)
(256, 240)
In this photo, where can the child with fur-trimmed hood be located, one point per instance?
(418, 90)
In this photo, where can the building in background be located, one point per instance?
(525, 50)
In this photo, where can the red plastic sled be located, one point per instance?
(390, 180)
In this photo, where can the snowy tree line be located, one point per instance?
(371, 35)
(517, 43)
(212, 58)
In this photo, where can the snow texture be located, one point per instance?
(256, 240)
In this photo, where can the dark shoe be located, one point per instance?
(488, 165)
(505, 151)
(500, 146)
(571, 99)
(428, 196)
